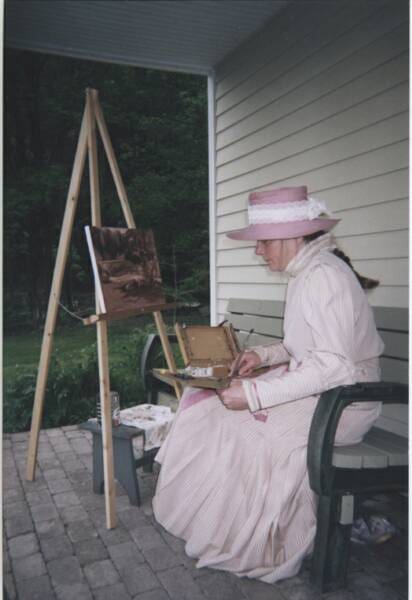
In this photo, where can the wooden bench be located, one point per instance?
(338, 475)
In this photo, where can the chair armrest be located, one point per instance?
(326, 418)
(151, 352)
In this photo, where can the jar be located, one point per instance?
(114, 409)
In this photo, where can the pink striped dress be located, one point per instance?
(234, 484)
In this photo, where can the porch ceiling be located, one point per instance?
(179, 35)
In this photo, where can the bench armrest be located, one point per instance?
(326, 419)
(151, 352)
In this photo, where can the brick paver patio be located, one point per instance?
(56, 545)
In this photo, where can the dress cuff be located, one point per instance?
(251, 396)
(273, 354)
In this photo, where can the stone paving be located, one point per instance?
(56, 545)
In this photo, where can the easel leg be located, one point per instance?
(114, 167)
(53, 305)
(102, 342)
(170, 359)
(107, 439)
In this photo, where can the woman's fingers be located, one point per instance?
(243, 364)
(249, 362)
(234, 397)
(245, 367)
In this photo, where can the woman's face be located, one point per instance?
(278, 253)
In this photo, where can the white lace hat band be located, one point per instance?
(287, 212)
(284, 213)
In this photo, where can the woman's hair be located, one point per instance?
(366, 282)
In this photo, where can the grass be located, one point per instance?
(22, 350)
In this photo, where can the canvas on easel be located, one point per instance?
(126, 269)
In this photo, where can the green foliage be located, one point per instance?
(31, 216)
(18, 401)
(72, 384)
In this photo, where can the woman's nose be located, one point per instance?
(259, 249)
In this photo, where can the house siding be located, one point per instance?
(318, 98)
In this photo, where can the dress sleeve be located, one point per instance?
(328, 310)
(274, 354)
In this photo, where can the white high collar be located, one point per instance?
(324, 243)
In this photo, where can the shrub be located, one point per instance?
(72, 384)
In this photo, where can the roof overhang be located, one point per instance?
(179, 35)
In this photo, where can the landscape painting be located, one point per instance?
(126, 269)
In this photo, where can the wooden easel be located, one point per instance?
(87, 143)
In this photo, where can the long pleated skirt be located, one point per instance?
(235, 486)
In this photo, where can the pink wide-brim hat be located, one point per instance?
(284, 213)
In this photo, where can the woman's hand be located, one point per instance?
(234, 397)
(247, 363)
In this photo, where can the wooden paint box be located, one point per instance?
(204, 348)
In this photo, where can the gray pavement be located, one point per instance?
(56, 545)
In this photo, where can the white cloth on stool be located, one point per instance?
(153, 419)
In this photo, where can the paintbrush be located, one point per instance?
(235, 366)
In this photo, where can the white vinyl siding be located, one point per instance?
(318, 98)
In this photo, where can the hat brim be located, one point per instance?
(282, 231)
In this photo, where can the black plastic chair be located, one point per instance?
(336, 486)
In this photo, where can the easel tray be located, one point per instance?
(214, 383)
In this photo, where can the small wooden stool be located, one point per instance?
(125, 463)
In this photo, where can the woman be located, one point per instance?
(233, 482)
